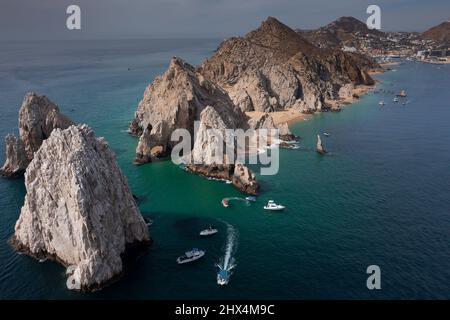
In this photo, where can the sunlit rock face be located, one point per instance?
(78, 209)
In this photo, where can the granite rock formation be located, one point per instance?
(265, 121)
(319, 147)
(38, 117)
(269, 69)
(274, 68)
(78, 209)
(214, 153)
(16, 157)
(174, 101)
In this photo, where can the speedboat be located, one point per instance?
(271, 205)
(395, 99)
(208, 232)
(250, 198)
(402, 94)
(225, 203)
(326, 134)
(223, 277)
(190, 256)
(381, 103)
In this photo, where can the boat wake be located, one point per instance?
(227, 262)
(225, 201)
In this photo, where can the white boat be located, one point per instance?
(250, 198)
(223, 277)
(208, 232)
(395, 99)
(190, 256)
(381, 103)
(326, 134)
(271, 205)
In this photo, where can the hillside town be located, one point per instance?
(352, 35)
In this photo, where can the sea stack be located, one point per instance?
(38, 117)
(320, 148)
(16, 157)
(204, 154)
(78, 209)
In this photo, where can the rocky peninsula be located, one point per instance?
(38, 117)
(271, 69)
(78, 209)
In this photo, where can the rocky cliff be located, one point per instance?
(212, 158)
(16, 157)
(273, 68)
(38, 117)
(175, 100)
(78, 208)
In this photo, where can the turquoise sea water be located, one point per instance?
(381, 196)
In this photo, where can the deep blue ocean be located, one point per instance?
(380, 197)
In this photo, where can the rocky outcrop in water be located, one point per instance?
(38, 117)
(16, 157)
(208, 147)
(78, 209)
(244, 179)
(319, 147)
(174, 101)
(271, 68)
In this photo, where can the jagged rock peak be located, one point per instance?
(78, 209)
(175, 100)
(38, 116)
(319, 147)
(16, 157)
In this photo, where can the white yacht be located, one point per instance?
(190, 256)
(208, 232)
(223, 276)
(271, 205)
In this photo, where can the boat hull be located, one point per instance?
(206, 233)
(274, 209)
(182, 260)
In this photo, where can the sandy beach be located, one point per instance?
(291, 116)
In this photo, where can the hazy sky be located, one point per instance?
(46, 19)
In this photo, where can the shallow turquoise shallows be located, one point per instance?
(380, 197)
